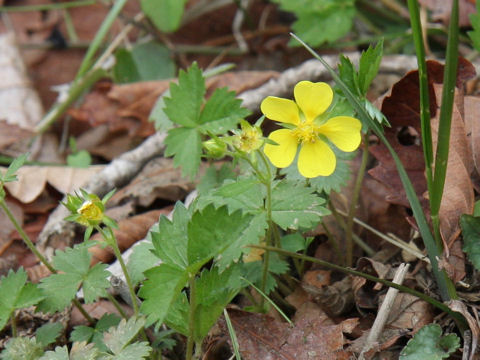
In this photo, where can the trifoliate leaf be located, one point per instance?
(48, 333)
(212, 231)
(22, 348)
(295, 206)
(186, 98)
(471, 238)
(170, 242)
(95, 335)
(15, 294)
(428, 344)
(185, 145)
(212, 295)
(163, 285)
(117, 338)
(60, 289)
(475, 33)
(222, 112)
(368, 66)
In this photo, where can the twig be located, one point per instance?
(237, 25)
(384, 311)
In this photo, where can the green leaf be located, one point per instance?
(184, 105)
(213, 178)
(427, 344)
(471, 238)
(177, 317)
(158, 116)
(185, 144)
(60, 353)
(165, 14)
(163, 285)
(475, 33)
(222, 112)
(369, 65)
(212, 231)
(141, 259)
(15, 294)
(320, 21)
(118, 338)
(145, 62)
(60, 289)
(213, 293)
(79, 351)
(293, 242)
(16, 164)
(95, 335)
(80, 159)
(295, 206)
(171, 240)
(347, 72)
(48, 333)
(22, 348)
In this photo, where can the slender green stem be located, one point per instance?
(438, 304)
(424, 92)
(46, 7)
(448, 94)
(445, 284)
(191, 317)
(117, 305)
(25, 237)
(112, 242)
(13, 324)
(354, 202)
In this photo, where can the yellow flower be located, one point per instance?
(249, 139)
(315, 158)
(91, 213)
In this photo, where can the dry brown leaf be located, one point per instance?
(32, 180)
(262, 337)
(409, 312)
(130, 231)
(441, 10)
(472, 127)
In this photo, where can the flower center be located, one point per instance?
(306, 132)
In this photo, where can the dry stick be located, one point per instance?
(384, 311)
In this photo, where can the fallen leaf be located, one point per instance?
(32, 180)
(441, 10)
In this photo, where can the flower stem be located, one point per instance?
(37, 253)
(112, 241)
(353, 204)
(191, 317)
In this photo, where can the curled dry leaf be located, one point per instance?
(32, 180)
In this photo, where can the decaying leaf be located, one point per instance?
(32, 180)
(441, 10)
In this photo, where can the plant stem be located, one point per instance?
(354, 201)
(46, 7)
(117, 305)
(37, 253)
(191, 316)
(112, 242)
(13, 325)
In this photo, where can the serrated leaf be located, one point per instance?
(222, 112)
(185, 144)
(138, 350)
(295, 206)
(211, 231)
(213, 294)
(177, 317)
(117, 338)
(348, 74)
(15, 293)
(165, 14)
(369, 65)
(428, 344)
(213, 178)
(471, 238)
(170, 242)
(475, 33)
(48, 333)
(141, 259)
(60, 353)
(95, 335)
(186, 98)
(60, 289)
(83, 351)
(163, 285)
(158, 116)
(22, 348)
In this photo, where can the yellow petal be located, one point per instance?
(343, 131)
(316, 159)
(313, 98)
(279, 109)
(281, 155)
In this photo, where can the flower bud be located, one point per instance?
(215, 148)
